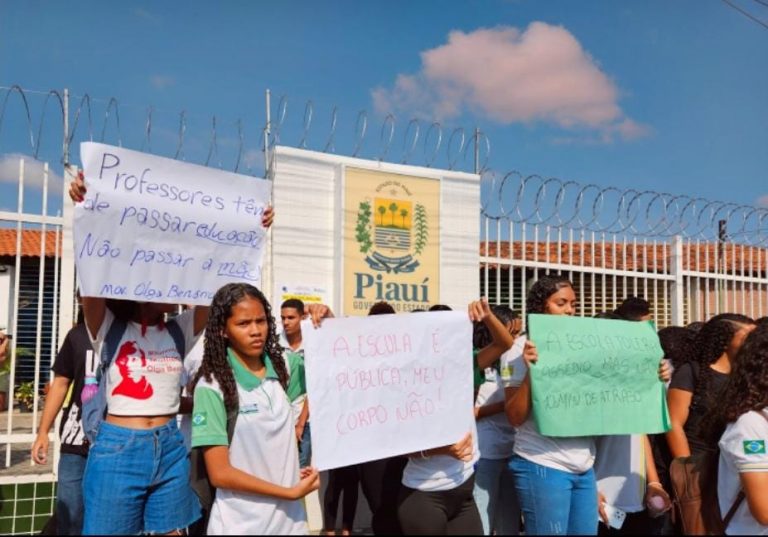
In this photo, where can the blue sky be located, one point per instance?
(680, 89)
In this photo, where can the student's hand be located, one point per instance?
(657, 501)
(77, 188)
(601, 507)
(310, 481)
(463, 449)
(318, 312)
(40, 448)
(530, 353)
(268, 217)
(479, 310)
(299, 431)
(665, 371)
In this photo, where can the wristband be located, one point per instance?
(654, 483)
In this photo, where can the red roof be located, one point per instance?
(647, 257)
(30, 242)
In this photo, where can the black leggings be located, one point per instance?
(341, 481)
(445, 512)
(380, 481)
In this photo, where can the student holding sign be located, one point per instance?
(137, 475)
(256, 472)
(438, 484)
(554, 477)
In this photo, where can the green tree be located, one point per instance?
(403, 213)
(382, 210)
(393, 207)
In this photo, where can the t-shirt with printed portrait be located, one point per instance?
(144, 376)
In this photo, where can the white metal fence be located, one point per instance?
(691, 258)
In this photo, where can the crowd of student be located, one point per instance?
(226, 394)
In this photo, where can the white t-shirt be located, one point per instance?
(742, 450)
(191, 364)
(143, 379)
(620, 470)
(496, 436)
(575, 455)
(441, 472)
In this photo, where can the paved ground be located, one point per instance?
(21, 459)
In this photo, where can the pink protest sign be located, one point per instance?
(387, 385)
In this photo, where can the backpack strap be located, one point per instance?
(735, 507)
(178, 337)
(109, 347)
(741, 496)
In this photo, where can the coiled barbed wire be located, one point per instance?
(513, 196)
(535, 200)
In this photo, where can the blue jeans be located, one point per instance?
(69, 494)
(555, 502)
(305, 447)
(137, 481)
(496, 497)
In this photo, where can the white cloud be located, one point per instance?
(33, 173)
(541, 74)
(161, 82)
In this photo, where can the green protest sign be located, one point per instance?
(596, 377)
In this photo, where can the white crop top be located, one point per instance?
(143, 379)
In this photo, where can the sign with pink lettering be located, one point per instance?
(387, 385)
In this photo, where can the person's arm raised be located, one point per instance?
(480, 311)
(517, 400)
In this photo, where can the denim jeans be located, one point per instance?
(137, 481)
(496, 497)
(69, 494)
(555, 502)
(305, 447)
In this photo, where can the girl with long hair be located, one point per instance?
(136, 478)
(739, 423)
(696, 383)
(554, 476)
(256, 474)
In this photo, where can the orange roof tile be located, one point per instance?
(640, 257)
(30, 242)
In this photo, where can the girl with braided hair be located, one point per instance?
(696, 384)
(739, 424)
(256, 473)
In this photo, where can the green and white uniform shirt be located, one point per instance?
(263, 445)
(742, 450)
(297, 382)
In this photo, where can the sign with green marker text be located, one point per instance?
(596, 377)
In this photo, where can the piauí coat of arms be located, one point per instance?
(392, 233)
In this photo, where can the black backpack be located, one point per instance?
(198, 477)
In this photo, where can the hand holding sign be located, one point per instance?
(157, 230)
(595, 377)
(387, 385)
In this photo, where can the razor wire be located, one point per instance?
(560, 204)
(513, 196)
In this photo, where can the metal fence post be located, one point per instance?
(678, 284)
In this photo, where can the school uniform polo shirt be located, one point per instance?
(263, 445)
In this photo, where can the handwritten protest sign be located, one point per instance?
(159, 230)
(387, 385)
(596, 377)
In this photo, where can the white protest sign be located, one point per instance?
(158, 230)
(387, 385)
